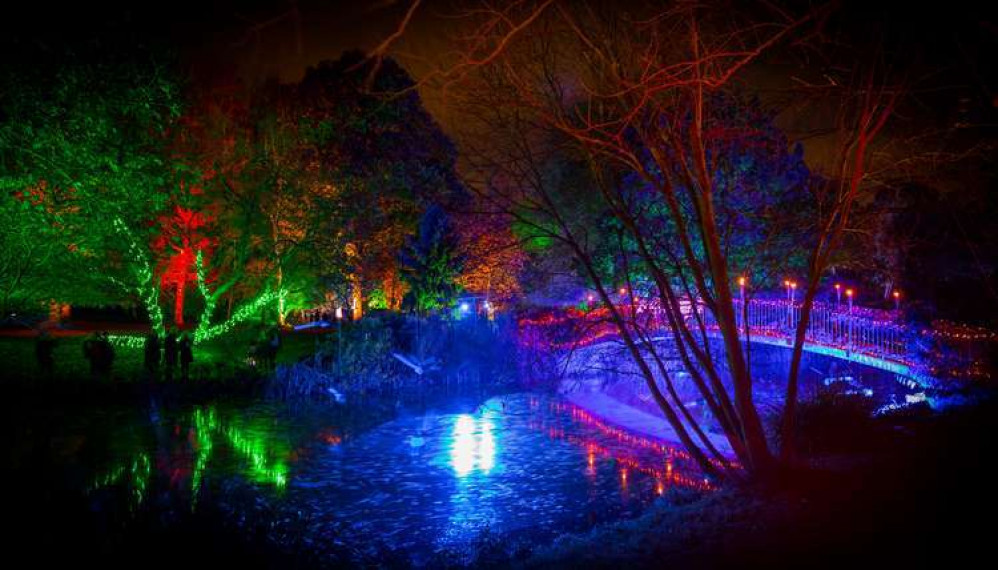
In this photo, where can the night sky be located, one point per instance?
(947, 54)
(951, 49)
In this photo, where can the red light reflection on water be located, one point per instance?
(657, 461)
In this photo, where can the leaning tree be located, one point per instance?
(642, 100)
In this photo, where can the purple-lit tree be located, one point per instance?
(642, 101)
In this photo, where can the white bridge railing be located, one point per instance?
(855, 329)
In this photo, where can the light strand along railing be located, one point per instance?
(867, 331)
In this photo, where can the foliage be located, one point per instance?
(431, 263)
(493, 258)
(95, 165)
(388, 157)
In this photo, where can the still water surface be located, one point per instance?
(417, 479)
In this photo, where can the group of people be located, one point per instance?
(99, 351)
(176, 348)
(263, 351)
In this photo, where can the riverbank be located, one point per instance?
(920, 492)
(219, 358)
(634, 420)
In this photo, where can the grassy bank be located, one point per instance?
(214, 359)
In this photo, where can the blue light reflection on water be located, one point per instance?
(473, 447)
(513, 466)
(523, 465)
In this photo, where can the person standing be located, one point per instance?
(170, 354)
(44, 354)
(273, 346)
(91, 351)
(186, 356)
(151, 356)
(106, 355)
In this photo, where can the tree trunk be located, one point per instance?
(178, 306)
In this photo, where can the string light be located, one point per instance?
(147, 288)
(245, 312)
(209, 300)
(126, 340)
(878, 338)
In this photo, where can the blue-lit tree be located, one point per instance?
(431, 263)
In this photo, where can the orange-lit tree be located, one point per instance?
(494, 258)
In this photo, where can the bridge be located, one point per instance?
(872, 337)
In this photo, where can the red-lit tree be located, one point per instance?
(183, 235)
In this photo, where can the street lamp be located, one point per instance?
(897, 300)
(793, 301)
(849, 296)
(838, 294)
(741, 292)
(339, 339)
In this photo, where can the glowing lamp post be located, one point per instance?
(838, 294)
(791, 297)
(339, 338)
(793, 301)
(741, 294)
(897, 300)
(849, 297)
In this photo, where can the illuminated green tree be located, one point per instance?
(36, 265)
(89, 140)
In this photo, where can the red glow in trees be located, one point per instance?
(182, 236)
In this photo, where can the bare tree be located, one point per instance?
(630, 97)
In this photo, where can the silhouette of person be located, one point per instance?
(170, 354)
(106, 355)
(44, 354)
(151, 356)
(186, 356)
(91, 350)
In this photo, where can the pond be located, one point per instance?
(417, 479)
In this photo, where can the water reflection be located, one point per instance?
(184, 455)
(520, 465)
(649, 456)
(473, 445)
